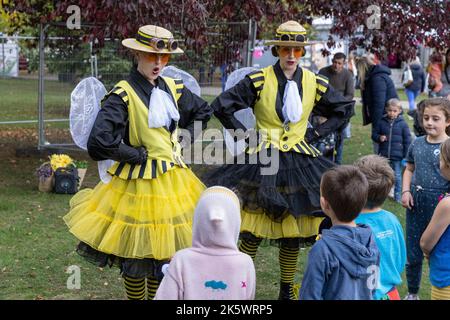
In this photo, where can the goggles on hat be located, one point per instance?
(157, 43)
(292, 37)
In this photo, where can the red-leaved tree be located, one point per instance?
(379, 25)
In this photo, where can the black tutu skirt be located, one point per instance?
(133, 268)
(293, 190)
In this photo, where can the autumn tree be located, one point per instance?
(378, 25)
(388, 26)
(9, 19)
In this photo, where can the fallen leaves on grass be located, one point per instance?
(16, 133)
(31, 134)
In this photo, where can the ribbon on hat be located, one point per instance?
(292, 103)
(161, 109)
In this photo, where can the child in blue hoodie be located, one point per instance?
(387, 229)
(394, 137)
(344, 263)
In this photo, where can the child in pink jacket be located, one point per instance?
(435, 71)
(213, 268)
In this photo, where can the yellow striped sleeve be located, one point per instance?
(321, 86)
(178, 88)
(257, 78)
(121, 93)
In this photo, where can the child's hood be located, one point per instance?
(217, 221)
(354, 247)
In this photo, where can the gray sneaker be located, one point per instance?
(411, 296)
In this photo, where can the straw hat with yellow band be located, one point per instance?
(290, 34)
(153, 39)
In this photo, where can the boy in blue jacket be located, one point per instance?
(393, 135)
(344, 263)
(387, 229)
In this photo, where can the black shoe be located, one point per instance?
(411, 113)
(287, 291)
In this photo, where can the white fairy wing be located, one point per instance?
(84, 106)
(244, 116)
(238, 75)
(85, 103)
(188, 80)
(103, 167)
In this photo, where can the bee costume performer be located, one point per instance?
(144, 214)
(283, 206)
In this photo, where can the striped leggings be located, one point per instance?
(136, 288)
(440, 293)
(287, 258)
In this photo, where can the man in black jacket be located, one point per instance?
(342, 80)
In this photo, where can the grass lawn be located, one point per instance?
(36, 248)
(20, 99)
(401, 95)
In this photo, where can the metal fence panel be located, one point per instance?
(59, 58)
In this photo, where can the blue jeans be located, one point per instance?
(412, 95)
(339, 150)
(343, 134)
(347, 133)
(417, 219)
(396, 165)
(224, 81)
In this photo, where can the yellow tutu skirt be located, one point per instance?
(262, 226)
(138, 218)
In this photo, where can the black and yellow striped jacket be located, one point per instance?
(121, 127)
(268, 110)
(162, 145)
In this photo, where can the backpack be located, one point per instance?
(66, 180)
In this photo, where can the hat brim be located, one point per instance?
(286, 43)
(131, 43)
